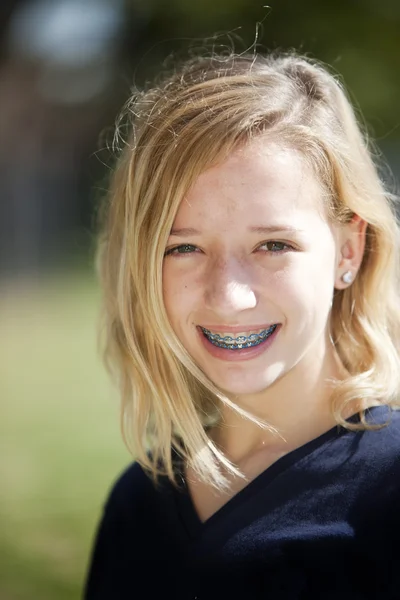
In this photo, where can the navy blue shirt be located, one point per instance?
(321, 522)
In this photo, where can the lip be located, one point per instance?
(238, 355)
(236, 328)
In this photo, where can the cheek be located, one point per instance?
(306, 282)
(178, 294)
(170, 295)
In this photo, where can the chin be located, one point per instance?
(239, 392)
(253, 386)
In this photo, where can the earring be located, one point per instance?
(347, 277)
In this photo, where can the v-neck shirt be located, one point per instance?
(192, 521)
(323, 522)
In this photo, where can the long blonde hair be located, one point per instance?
(177, 129)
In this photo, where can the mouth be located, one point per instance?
(241, 341)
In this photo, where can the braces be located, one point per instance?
(254, 339)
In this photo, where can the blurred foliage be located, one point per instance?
(359, 38)
(55, 152)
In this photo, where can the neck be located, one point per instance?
(297, 406)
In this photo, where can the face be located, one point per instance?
(250, 269)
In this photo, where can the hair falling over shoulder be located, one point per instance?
(191, 120)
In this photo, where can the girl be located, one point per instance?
(249, 262)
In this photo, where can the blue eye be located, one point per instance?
(182, 249)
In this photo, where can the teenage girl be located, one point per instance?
(249, 260)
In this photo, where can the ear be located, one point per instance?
(351, 246)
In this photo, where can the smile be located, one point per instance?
(239, 342)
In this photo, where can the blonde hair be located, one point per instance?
(177, 129)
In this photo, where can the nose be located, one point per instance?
(228, 288)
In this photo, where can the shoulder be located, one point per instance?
(131, 478)
(134, 492)
(131, 488)
(366, 461)
(375, 454)
(125, 533)
(384, 437)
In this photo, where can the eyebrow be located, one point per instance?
(188, 231)
(274, 229)
(184, 231)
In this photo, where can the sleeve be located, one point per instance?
(117, 541)
(105, 576)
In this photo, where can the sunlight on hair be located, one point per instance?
(194, 119)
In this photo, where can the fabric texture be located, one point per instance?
(321, 522)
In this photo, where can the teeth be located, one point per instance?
(243, 339)
(242, 334)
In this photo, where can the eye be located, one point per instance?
(181, 249)
(275, 247)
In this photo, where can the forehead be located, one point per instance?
(260, 180)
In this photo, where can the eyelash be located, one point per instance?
(171, 251)
(174, 251)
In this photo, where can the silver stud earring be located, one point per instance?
(347, 277)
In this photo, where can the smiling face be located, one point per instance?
(250, 269)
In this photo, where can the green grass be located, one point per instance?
(60, 445)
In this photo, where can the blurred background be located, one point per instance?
(66, 68)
